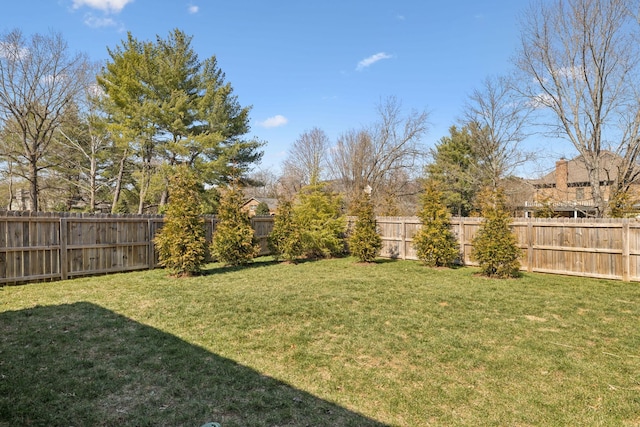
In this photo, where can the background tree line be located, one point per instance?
(75, 131)
(72, 131)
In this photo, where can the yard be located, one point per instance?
(326, 343)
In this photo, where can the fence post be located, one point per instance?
(461, 239)
(404, 238)
(529, 245)
(151, 250)
(63, 248)
(626, 257)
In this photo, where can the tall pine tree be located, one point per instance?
(454, 168)
(172, 108)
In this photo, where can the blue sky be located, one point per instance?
(303, 64)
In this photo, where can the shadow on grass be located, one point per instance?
(385, 260)
(256, 263)
(84, 365)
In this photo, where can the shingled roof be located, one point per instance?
(577, 171)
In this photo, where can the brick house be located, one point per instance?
(250, 205)
(567, 189)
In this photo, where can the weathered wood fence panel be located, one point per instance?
(605, 248)
(29, 250)
(262, 226)
(52, 246)
(99, 245)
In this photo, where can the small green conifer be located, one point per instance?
(262, 209)
(495, 246)
(364, 241)
(233, 239)
(321, 224)
(435, 243)
(285, 241)
(181, 243)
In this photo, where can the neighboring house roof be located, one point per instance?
(577, 171)
(272, 203)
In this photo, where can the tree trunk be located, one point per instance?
(92, 185)
(164, 197)
(144, 186)
(10, 170)
(596, 192)
(33, 184)
(118, 188)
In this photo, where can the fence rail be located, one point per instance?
(53, 246)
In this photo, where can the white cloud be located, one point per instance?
(542, 100)
(193, 9)
(13, 52)
(274, 122)
(50, 79)
(367, 62)
(108, 6)
(95, 22)
(570, 73)
(95, 90)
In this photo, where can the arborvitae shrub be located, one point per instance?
(435, 243)
(285, 241)
(262, 209)
(181, 243)
(495, 246)
(317, 214)
(233, 240)
(364, 241)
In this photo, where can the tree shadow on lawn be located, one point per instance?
(258, 263)
(83, 365)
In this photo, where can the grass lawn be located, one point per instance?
(327, 343)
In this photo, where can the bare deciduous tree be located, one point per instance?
(39, 80)
(385, 156)
(582, 59)
(89, 141)
(496, 118)
(307, 160)
(262, 183)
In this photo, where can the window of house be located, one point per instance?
(580, 193)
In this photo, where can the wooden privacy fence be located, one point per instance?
(600, 248)
(51, 246)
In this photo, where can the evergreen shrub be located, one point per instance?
(495, 246)
(233, 239)
(317, 214)
(364, 241)
(285, 241)
(181, 243)
(262, 209)
(435, 243)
